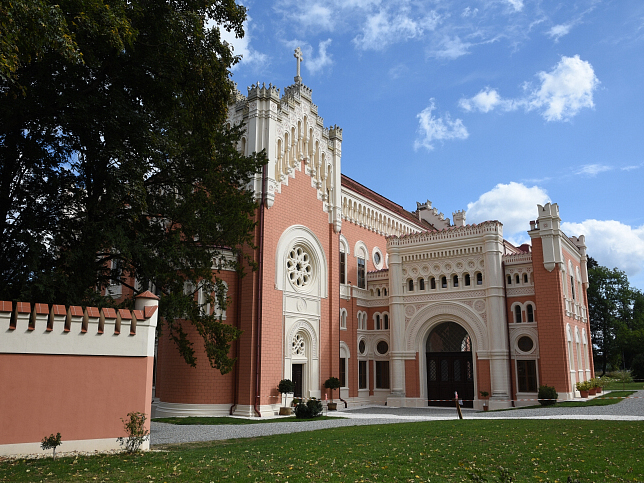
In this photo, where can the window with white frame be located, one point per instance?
(376, 321)
(385, 321)
(343, 319)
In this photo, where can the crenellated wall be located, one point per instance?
(75, 371)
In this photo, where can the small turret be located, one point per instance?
(459, 218)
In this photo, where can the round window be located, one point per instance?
(377, 258)
(298, 264)
(382, 347)
(525, 344)
(362, 347)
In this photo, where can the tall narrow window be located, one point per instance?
(525, 278)
(382, 374)
(572, 286)
(362, 281)
(343, 373)
(479, 279)
(410, 282)
(517, 314)
(509, 279)
(421, 284)
(384, 292)
(455, 280)
(386, 321)
(377, 322)
(432, 283)
(343, 267)
(444, 282)
(378, 292)
(467, 279)
(530, 313)
(517, 280)
(362, 374)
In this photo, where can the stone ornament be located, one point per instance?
(299, 267)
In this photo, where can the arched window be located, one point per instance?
(432, 283)
(384, 292)
(530, 312)
(517, 280)
(410, 282)
(572, 286)
(455, 280)
(385, 318)
(517, 314)
(378, 292)
(525, 278)
(421, 284)
(479, 278)
(444, 282)
(377, 322)
(467, 279)
(343, 319)
(509, 279)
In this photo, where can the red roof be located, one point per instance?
(384, 202)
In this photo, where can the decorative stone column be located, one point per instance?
(397, 310)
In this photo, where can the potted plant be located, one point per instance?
(332, 383)
(584, 388)
(286, 386)
(596, 386)
(484, 396)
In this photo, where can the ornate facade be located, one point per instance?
(404, 307)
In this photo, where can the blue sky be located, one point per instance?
(491, 106)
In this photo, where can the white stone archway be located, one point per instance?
(427, 318)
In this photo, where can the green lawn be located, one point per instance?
(634, 386)
(224, 420)
(439, 451)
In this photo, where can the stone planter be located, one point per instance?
(486, 408)
(332, 406)
(285, 411)
(584, 394)
(593, 391)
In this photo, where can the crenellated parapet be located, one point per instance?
(448, 234)
(73, 330)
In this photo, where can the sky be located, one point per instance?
(492, 106)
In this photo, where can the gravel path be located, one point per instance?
(161, 433)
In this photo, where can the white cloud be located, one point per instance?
(559, 31)
(566, 89)
(451, 48)
(442, 128)
(316, 64)
(242, 46)
(517, 5)
(612, 243)
(512, 204)
(631, 168)
(563, 92)
(593, 169)
(468, 12)
(384, 28)
(485, 101)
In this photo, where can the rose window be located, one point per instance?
(299, 267)
(298, 345)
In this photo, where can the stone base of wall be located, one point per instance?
(85, 445)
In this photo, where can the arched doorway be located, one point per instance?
(449, 365)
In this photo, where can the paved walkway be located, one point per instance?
(631, 409)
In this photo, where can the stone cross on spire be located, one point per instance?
(298, 56)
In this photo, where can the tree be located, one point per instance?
(616, 313)
(115, 161)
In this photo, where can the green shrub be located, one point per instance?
(547, 395)
(286, 386)
(136, 432)
(51, 442)
(621, 376)
(310, 409)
